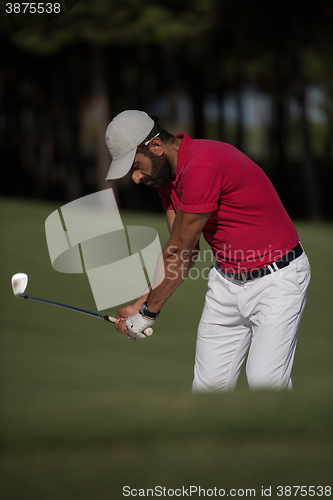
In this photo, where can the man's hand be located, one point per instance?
(130, 322)
(121, 327)
(122, 314)
(135, 325)
(125, 311)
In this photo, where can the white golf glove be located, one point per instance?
(136, 323)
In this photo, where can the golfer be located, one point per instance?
(257, 287)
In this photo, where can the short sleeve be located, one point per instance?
(200, 189)
(165, 194)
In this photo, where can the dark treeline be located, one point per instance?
(62, 82)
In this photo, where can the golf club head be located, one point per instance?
(19, 283)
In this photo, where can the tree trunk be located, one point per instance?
(312, 195)
(196, 91)
(329, 133)
(314, 210)
(102, 107)
(262, 150)
(281, 126)
(239, 119)
(221, 132)
(46, 154)
(75, 172)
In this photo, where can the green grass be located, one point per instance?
(85, 412)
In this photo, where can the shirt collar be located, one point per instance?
(183, 152)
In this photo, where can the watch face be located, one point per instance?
(142, 308)
(144, 311)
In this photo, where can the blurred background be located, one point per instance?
(83, 411)
(256, 75)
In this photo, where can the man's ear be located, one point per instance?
(156, 146)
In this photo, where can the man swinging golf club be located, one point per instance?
(257, 287)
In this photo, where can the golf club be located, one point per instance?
(20, 282)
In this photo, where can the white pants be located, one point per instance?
(259, 318)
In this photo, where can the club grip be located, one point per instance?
(148, 331)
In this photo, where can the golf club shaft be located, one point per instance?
(77, 309)
(111, 319)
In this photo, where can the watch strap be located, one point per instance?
(144, 311)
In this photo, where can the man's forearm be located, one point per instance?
(178, 256)
(178, 262)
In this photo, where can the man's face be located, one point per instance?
(151, 170)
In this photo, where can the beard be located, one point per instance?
(161, 171)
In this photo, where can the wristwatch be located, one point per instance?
(144, 311)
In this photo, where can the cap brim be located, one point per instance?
(121, 166)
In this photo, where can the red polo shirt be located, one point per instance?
(248, 227)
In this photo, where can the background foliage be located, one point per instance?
(62, 82)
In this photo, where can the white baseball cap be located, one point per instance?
(123, 135)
